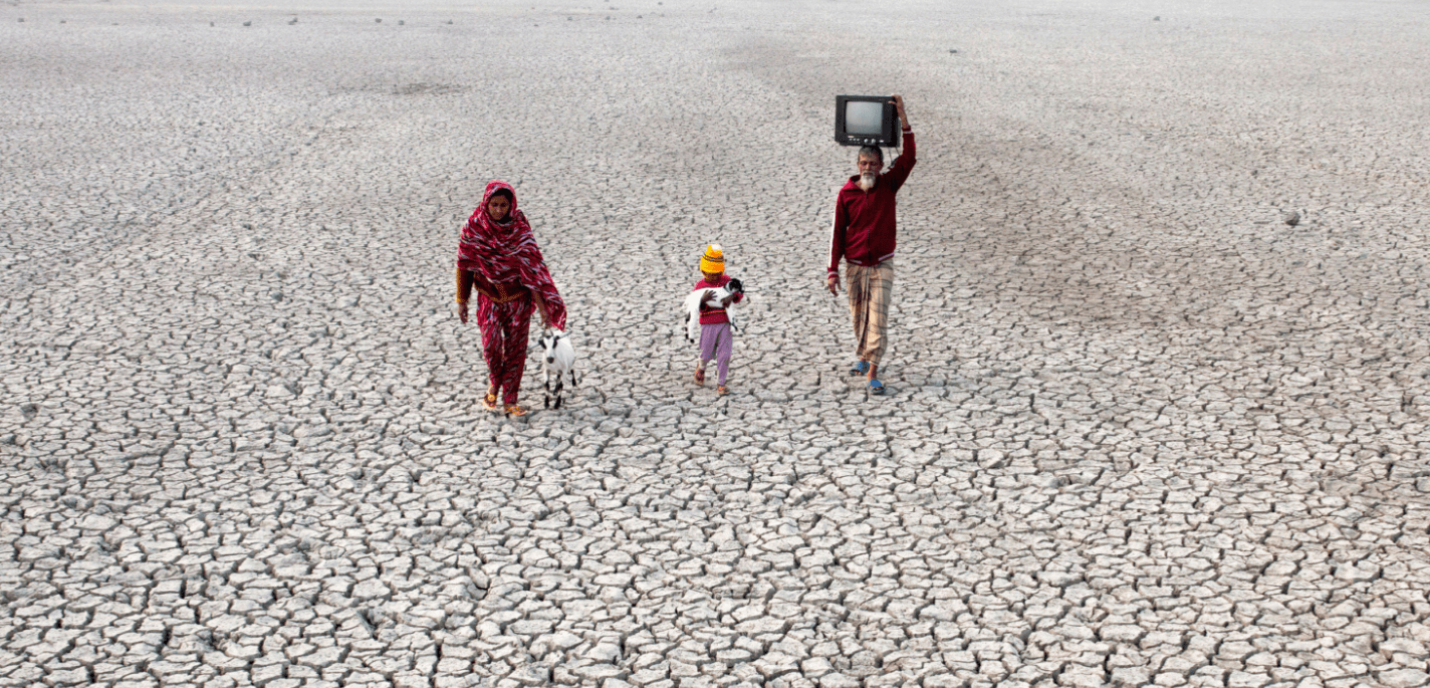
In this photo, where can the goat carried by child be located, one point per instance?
(707, 299)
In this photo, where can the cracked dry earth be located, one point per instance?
(1139, 431)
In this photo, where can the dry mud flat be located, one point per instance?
(1139, 430)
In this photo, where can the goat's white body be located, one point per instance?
(692, 310)
(558, 359)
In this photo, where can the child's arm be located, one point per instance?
(706, 290)
(730, 298)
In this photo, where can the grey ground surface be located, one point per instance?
(1139, 430)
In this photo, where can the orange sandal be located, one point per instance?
(516, 410)
(490, 402)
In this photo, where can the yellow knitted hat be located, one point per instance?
(713, 260)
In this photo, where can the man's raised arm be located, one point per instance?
(904, 164)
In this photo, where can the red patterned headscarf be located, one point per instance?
(505, 252)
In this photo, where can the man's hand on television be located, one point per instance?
(833, 285)
(903, 117)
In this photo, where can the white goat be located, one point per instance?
(559, 358)
(693, 301)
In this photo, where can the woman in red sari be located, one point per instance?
(497, 256)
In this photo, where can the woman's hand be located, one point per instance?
(541, 309)
(462, 311)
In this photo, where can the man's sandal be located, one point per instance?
(490, 401)
(876, 388)
(515, 410)
(860, 368)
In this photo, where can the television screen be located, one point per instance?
(865, 121)
(864, 118)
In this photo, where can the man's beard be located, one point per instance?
(866, 180)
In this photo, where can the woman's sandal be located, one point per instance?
(876, 388)
(722, 390)
(490, 402)
(700, 376)
(516, 410)
(860, 368)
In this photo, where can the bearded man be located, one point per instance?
(863, 236)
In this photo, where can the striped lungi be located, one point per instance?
(871, 289)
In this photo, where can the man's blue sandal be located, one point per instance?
(860, 368)
(876, 387)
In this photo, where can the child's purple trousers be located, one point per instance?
(716, 342)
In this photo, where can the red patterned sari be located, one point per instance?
(501, 261)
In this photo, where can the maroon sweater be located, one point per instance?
(864, 221)
(714, 315)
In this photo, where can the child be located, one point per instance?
(715, 338)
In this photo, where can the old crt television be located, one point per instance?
(866, 121)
